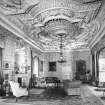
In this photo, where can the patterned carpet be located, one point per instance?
(50, 96)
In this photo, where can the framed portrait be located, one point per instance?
(6, 65)
(52, 66)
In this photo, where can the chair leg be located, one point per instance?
(16, 99)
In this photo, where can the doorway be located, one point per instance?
(1, 72)
(0, 59)
(80, 69)
(20, 81)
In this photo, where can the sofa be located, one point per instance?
(47, 82)
(52, 81)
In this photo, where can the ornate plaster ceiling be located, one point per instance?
(44, 20)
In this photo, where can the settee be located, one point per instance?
(52, 81)
(48, 82)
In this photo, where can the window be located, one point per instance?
(52, 66)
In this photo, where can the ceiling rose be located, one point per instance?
(57, 27)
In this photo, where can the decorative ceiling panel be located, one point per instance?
(44, 20)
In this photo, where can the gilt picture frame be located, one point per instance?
(6, 65)
(52, 66)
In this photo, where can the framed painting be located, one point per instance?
(52, 66)
(6, 65)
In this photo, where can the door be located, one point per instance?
(1, 73)
(0, 59)
(80, 69)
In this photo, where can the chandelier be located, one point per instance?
(61, 58)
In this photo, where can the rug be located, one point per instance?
(50, 96)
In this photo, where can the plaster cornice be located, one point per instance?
(72, 50)
(84, 49)
(98, 37)
(65, 8)
(62, 17)
(100, 19)
(16, 31)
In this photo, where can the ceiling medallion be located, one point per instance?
(60, 26)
